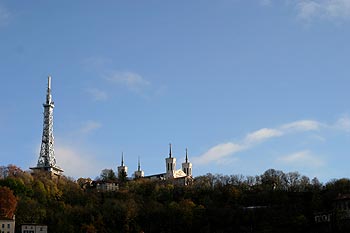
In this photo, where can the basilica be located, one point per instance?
(180, 176)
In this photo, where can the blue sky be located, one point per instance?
(244, 85)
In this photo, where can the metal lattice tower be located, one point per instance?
(47, 160)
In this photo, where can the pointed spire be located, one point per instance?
(122, 158)
(48, 95)
(170, 150)
(49, 82)
(186, 157)
(139, 165)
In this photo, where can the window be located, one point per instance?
(3, 225)
(8, 225)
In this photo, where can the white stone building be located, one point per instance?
(122, 168)
(180, 176)
(7, 225)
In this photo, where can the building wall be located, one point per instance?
(30, 228)
(107, 186)
(7, 226)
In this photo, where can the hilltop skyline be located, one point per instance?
(244, 85)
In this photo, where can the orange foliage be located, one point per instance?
(8, 202)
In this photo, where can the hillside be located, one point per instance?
(271, 202)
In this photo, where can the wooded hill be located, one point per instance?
(272, 202)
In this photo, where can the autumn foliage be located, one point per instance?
(8, 202)
(271, 202)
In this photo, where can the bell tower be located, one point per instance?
(122, 169)
(187, 166)
(139, 173)
(47, 160)
(170, 164)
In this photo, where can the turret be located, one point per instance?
(122, 169)
(187, 166)
(170, 164)
(139, 173)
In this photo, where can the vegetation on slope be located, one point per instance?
(272, 202)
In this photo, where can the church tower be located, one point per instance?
(187, 166)
(47, 160)
(139, 173)
(170, 165)
(122, 168)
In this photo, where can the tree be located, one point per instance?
(273, 179)
(8, 202)
(108, 175)
(293, 181)
(122, 176)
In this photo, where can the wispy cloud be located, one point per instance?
(77, 163)
(218, 152)
(302, 159)
(76, 158)
(308, 10)
(89, 126)
(328, 9)
(266, 2)
(343, 123)
(97, 94)
(95, 63)
(303, 125)
(133, 81)
(262, 135)
(228, 149)
(125, 79)
(4, 15)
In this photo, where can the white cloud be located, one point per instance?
(77, 163)
(303, 125)
(90, 126)
(4, 15)
(266, 2)
(262, 135)
(97, 95)
(132, 81)
(218, 152)
(330, 9)
(308, 9)
(224, 150)
(343, 123)
(96, 63)
(302, 158)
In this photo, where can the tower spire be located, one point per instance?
(122, 169)
(47, 160)
(122, 158)
(170, 154)
(187, 166)
(139, 165)
(139, 173)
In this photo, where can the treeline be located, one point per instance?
(272, 202)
